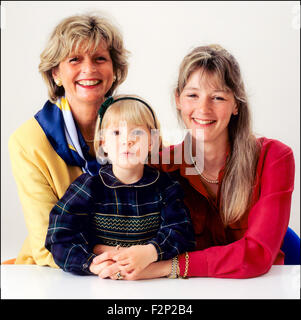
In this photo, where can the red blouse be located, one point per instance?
(249, 247)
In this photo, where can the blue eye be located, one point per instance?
(138, 132)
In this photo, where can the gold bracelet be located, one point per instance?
(174, 268)
(186, 265)
(177, 267)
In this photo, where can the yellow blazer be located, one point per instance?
(42, 177)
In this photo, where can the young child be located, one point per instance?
(129, 204)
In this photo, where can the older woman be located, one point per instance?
(84, 61)
(238, 187)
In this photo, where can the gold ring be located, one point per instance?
(119, 276)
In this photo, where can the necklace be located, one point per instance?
(208, 180)
(201, 174)
(89, 140)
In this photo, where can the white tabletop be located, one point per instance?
(35, 282)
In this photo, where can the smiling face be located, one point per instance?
(86, 76)
(206, 105)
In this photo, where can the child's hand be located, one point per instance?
(136, 258)
(103, 260)
(97, 268)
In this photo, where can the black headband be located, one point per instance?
(108, 102)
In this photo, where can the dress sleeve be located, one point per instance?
(37, 199)
(268, 219)
(67, 237)
(176, 234)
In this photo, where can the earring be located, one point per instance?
(114, 78)
(58, 82)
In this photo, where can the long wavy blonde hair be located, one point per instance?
(240, 169)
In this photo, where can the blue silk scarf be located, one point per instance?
(58, 124)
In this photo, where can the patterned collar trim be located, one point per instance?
(150, 176)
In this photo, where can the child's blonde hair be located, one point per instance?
(132, 112)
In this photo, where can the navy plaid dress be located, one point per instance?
(102, 210)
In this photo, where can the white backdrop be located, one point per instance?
(263, 36)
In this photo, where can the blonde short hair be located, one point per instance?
(69, 34)
(130, 111)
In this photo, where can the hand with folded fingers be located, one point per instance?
(126, 263)
(97, 268)
(104, 258)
